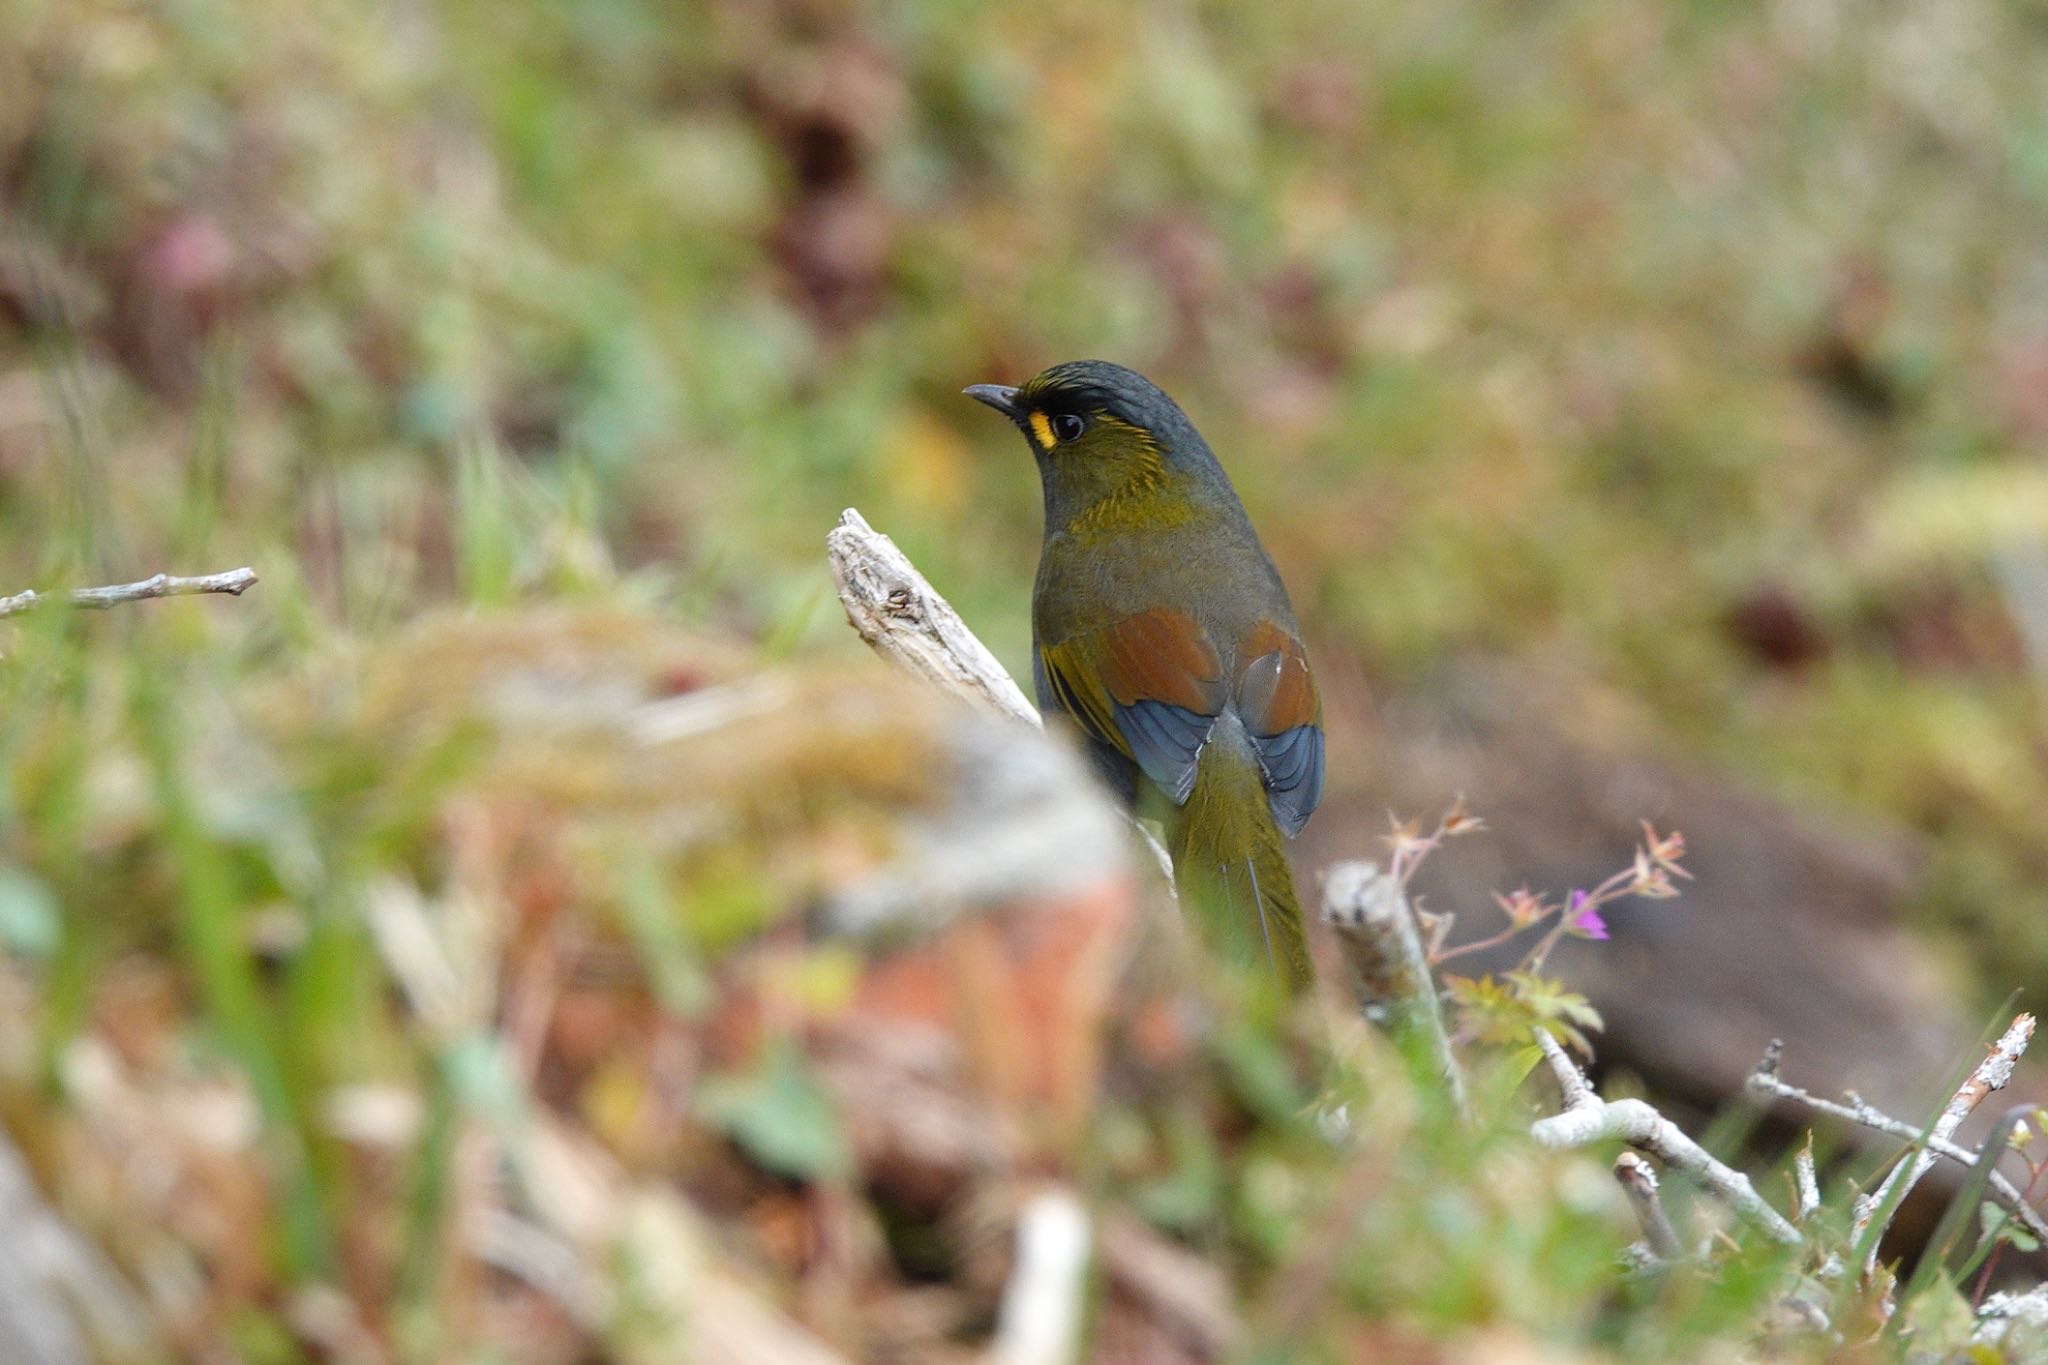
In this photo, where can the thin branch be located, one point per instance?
(1390, 973)
(1807, 1183)
(234, 583)
(905, 620)
(1588, 1119)
(1991, 1074)
(1855, 1109)
(1574, 1089)
(1639, 1182)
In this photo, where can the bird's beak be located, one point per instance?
(1001, 397)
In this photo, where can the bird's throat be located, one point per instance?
(1139, 496)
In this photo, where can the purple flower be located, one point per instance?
(1583, 919)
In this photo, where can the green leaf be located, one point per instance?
(780, 1115)
(28, 914)
(1260, 1073)
(1489, 1011)
(1999, 1223)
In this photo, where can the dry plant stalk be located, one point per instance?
(588, 1212)
(1375, 927)
(233, 582)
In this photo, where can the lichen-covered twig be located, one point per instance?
(234, 582)
(1805, 1181)
(1639, 1182)
(1991, 1074)
(1587, 1119)
(1852, 1107)
(1390, 973)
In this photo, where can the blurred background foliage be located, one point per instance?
(1693, 356)
(1696, 353)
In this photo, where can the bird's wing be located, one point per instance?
(1149, 686)
(1276, 695)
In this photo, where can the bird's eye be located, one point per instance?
(1066, 426)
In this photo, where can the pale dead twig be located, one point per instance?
(1852, 1107)
(234, 582)
(1587, 1119)
(1639, 1182)
(905, 620)
(1806, 1181)
(1991, 1074)
(1390, 972)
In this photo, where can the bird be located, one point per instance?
(1161, 629)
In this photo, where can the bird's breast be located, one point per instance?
(1220, 578)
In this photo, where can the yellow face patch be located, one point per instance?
(1041, 430)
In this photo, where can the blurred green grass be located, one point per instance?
(1692, 353)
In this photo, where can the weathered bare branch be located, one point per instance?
(234, 582)
(1807, 1183)
(1639, 1182)
(1991, 1074)
(1853, 1108)
(1587, 1119)
(1390, 973)
(903, 618)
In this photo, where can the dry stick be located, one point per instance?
(234, 582)
(1390, 973)
(903, 619)
(1991, 1074)
(1854, 1108)
(1639, 1182)
(1587, 1119)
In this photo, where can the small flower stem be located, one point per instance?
(1481, 944)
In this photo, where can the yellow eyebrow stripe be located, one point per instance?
(1041, 430)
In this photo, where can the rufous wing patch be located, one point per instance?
(1162, 655)
(1149, 686)
(1275, 691)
